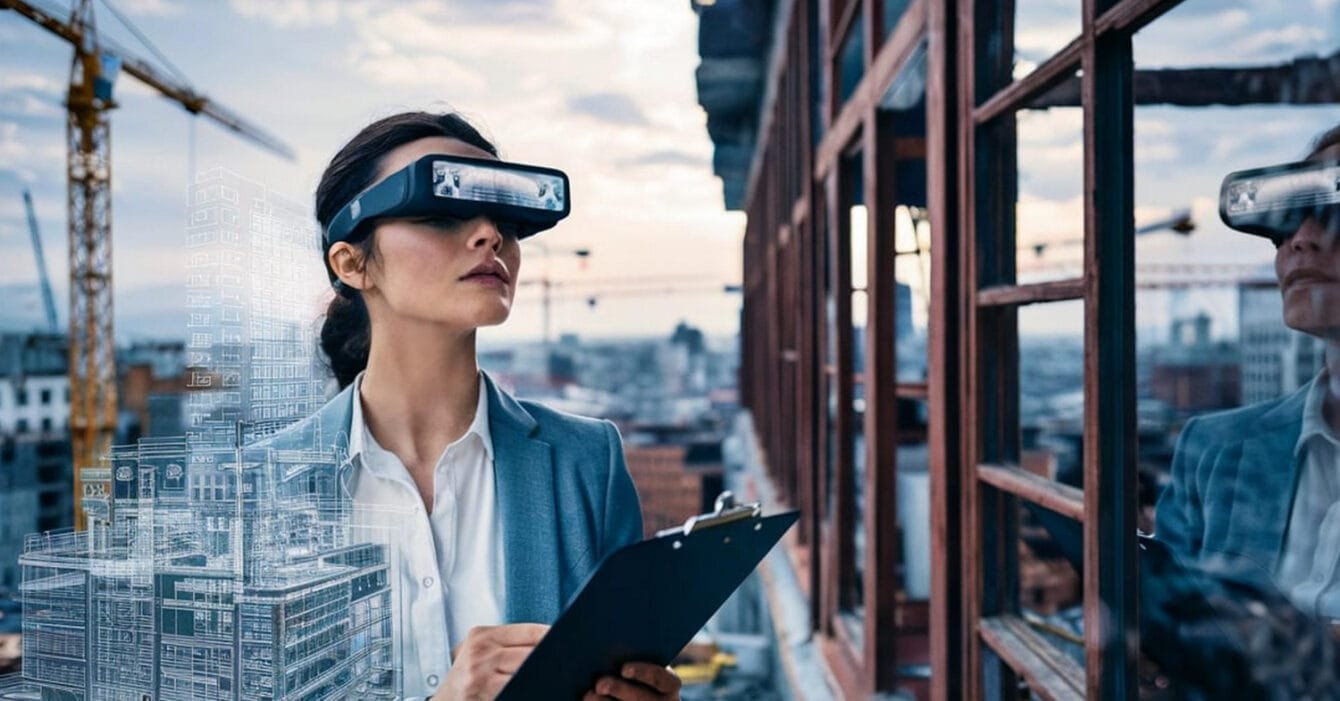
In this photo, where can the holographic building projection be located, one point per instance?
(212, 569)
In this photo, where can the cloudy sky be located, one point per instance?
(603, 90)
(1181, 154)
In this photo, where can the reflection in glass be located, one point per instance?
(1041, 29)
(851, 59)
(1224, 382)
(1049, 210)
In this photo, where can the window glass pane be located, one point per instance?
(1230, 349)
(851, 59)
(1049, 215)
(912, 270)
(853, 598)
(1051, 420)
(1051, 390)
(893, 11)
(1042, 28)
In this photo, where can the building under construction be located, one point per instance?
(972, 463)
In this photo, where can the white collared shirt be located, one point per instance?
(450, 561)
(1311, 551)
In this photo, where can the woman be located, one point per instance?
(510, 504)
(1253, 503)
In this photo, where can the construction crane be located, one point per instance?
(93, 73)
(47, 299)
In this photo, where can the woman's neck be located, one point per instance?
(420, 390)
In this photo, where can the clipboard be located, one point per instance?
(646, 601)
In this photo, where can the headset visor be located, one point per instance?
(1274, 202)
(529, 198)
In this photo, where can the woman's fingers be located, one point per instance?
(518, 634)
(508, 660)
(624, 690)
(655, 676)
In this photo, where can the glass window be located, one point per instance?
(851, 59)
(1233, 332)
(1041, 29)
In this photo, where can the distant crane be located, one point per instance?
(93, 73)
(47, 299)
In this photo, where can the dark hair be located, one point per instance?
(346, 333)
(1325, 141)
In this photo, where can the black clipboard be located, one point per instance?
(646, 601)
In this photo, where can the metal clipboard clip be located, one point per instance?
(726, 510)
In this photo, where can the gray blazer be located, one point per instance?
(1234, 476)
(564, 493)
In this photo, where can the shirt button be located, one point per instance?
(432, 680)
(427, 582)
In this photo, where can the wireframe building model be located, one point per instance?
(212, 569)
(211, 573)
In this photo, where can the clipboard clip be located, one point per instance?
(726, 510)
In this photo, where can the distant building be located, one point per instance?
(676, 477)
(1276, 360)
(35, 460)
(1194, 373)
(34, 387)
(152, 387)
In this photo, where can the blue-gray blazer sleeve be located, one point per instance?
(1179, 518)
(623, 510)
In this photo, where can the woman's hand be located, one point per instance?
(486, 660)
(640, 681)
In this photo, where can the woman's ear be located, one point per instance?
(348, 265)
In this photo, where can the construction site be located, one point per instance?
(1055, 422)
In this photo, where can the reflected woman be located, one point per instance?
(1258, 485)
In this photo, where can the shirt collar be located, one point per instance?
(1314, 418)
(361, 439)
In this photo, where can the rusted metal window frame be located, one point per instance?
(994, 647)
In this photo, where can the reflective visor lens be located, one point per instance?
(524, 198)
(493, 185)
(1273, 202)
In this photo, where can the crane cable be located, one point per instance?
(125, 21)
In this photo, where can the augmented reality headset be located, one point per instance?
(1274, 202)
(528, 198)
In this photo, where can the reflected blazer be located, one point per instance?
(563, 490)
(1234, 476)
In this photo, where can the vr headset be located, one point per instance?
(1274, 202)
(527, 198)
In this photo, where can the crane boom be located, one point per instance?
(48, 300)
(142, 70)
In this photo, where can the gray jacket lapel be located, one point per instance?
(1264, 485)
(524, 477)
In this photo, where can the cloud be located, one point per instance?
(151, 8)
(27, 104)
(614, 108)
(506, 11)
(292, 13)
(666, 158)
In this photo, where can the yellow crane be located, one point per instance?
(93, 73)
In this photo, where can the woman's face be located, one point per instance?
(1308, 266)
(458, 273)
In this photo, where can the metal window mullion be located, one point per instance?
(1110, 566)
(881, 423)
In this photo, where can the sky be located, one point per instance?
(603, 90)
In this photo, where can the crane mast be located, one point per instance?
(92, 350)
